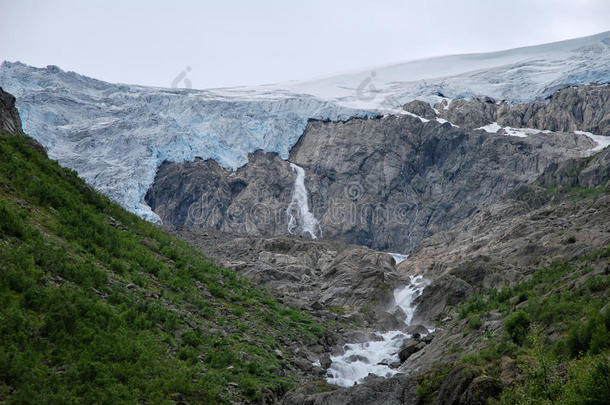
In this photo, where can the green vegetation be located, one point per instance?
(556, 325)
(99, 306)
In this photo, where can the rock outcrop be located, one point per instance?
(201, 194)
(398, 390)
(9, 116)
(584, 108)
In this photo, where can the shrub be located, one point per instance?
(516, 327)
(11, 223)
(474, 322)
(590, 336)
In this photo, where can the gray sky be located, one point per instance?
(233, 42)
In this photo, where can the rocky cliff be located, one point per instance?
(9, 116)
(385, 183)
(584, 108)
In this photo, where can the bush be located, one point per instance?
(474, 322)
(516, 327)
(590, 336)
(11, 223)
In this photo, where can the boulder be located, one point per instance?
(481, 390)
(409, 346)
(456, 383)
(420, 108)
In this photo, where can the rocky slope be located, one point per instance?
(99, 305)
(546, 248)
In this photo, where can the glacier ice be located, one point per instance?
(115, 135)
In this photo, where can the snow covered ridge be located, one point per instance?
(115, 136)
(518, 75)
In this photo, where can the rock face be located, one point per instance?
(201, 194)
(420, 108)
(534, 225)
(383, 183)
(9, 116)
(578, 172)
(585, 108)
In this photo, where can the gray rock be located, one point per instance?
(585, 108)
(420, 108)
(417, 329)
(9, 116)
(456, 382)
(409, 346)
(325, 361)
(398, 390)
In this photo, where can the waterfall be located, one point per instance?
(399, 258)
(379, 356)
(298, 210)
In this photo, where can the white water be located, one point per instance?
(299, 206)
(398, 258)
(361, 359)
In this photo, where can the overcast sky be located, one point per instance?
(233, 42)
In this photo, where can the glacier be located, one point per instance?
(116, 135)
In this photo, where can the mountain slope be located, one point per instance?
(99, 306)
(116, 136)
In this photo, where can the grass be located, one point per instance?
(99, 306)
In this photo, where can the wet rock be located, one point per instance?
(445, 291)
(417, 329)
(398, 390)
(325, 361)
(355, 357)
(409, 346)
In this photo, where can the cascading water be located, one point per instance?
(399, 258)
(298, 210)
(378, 356)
